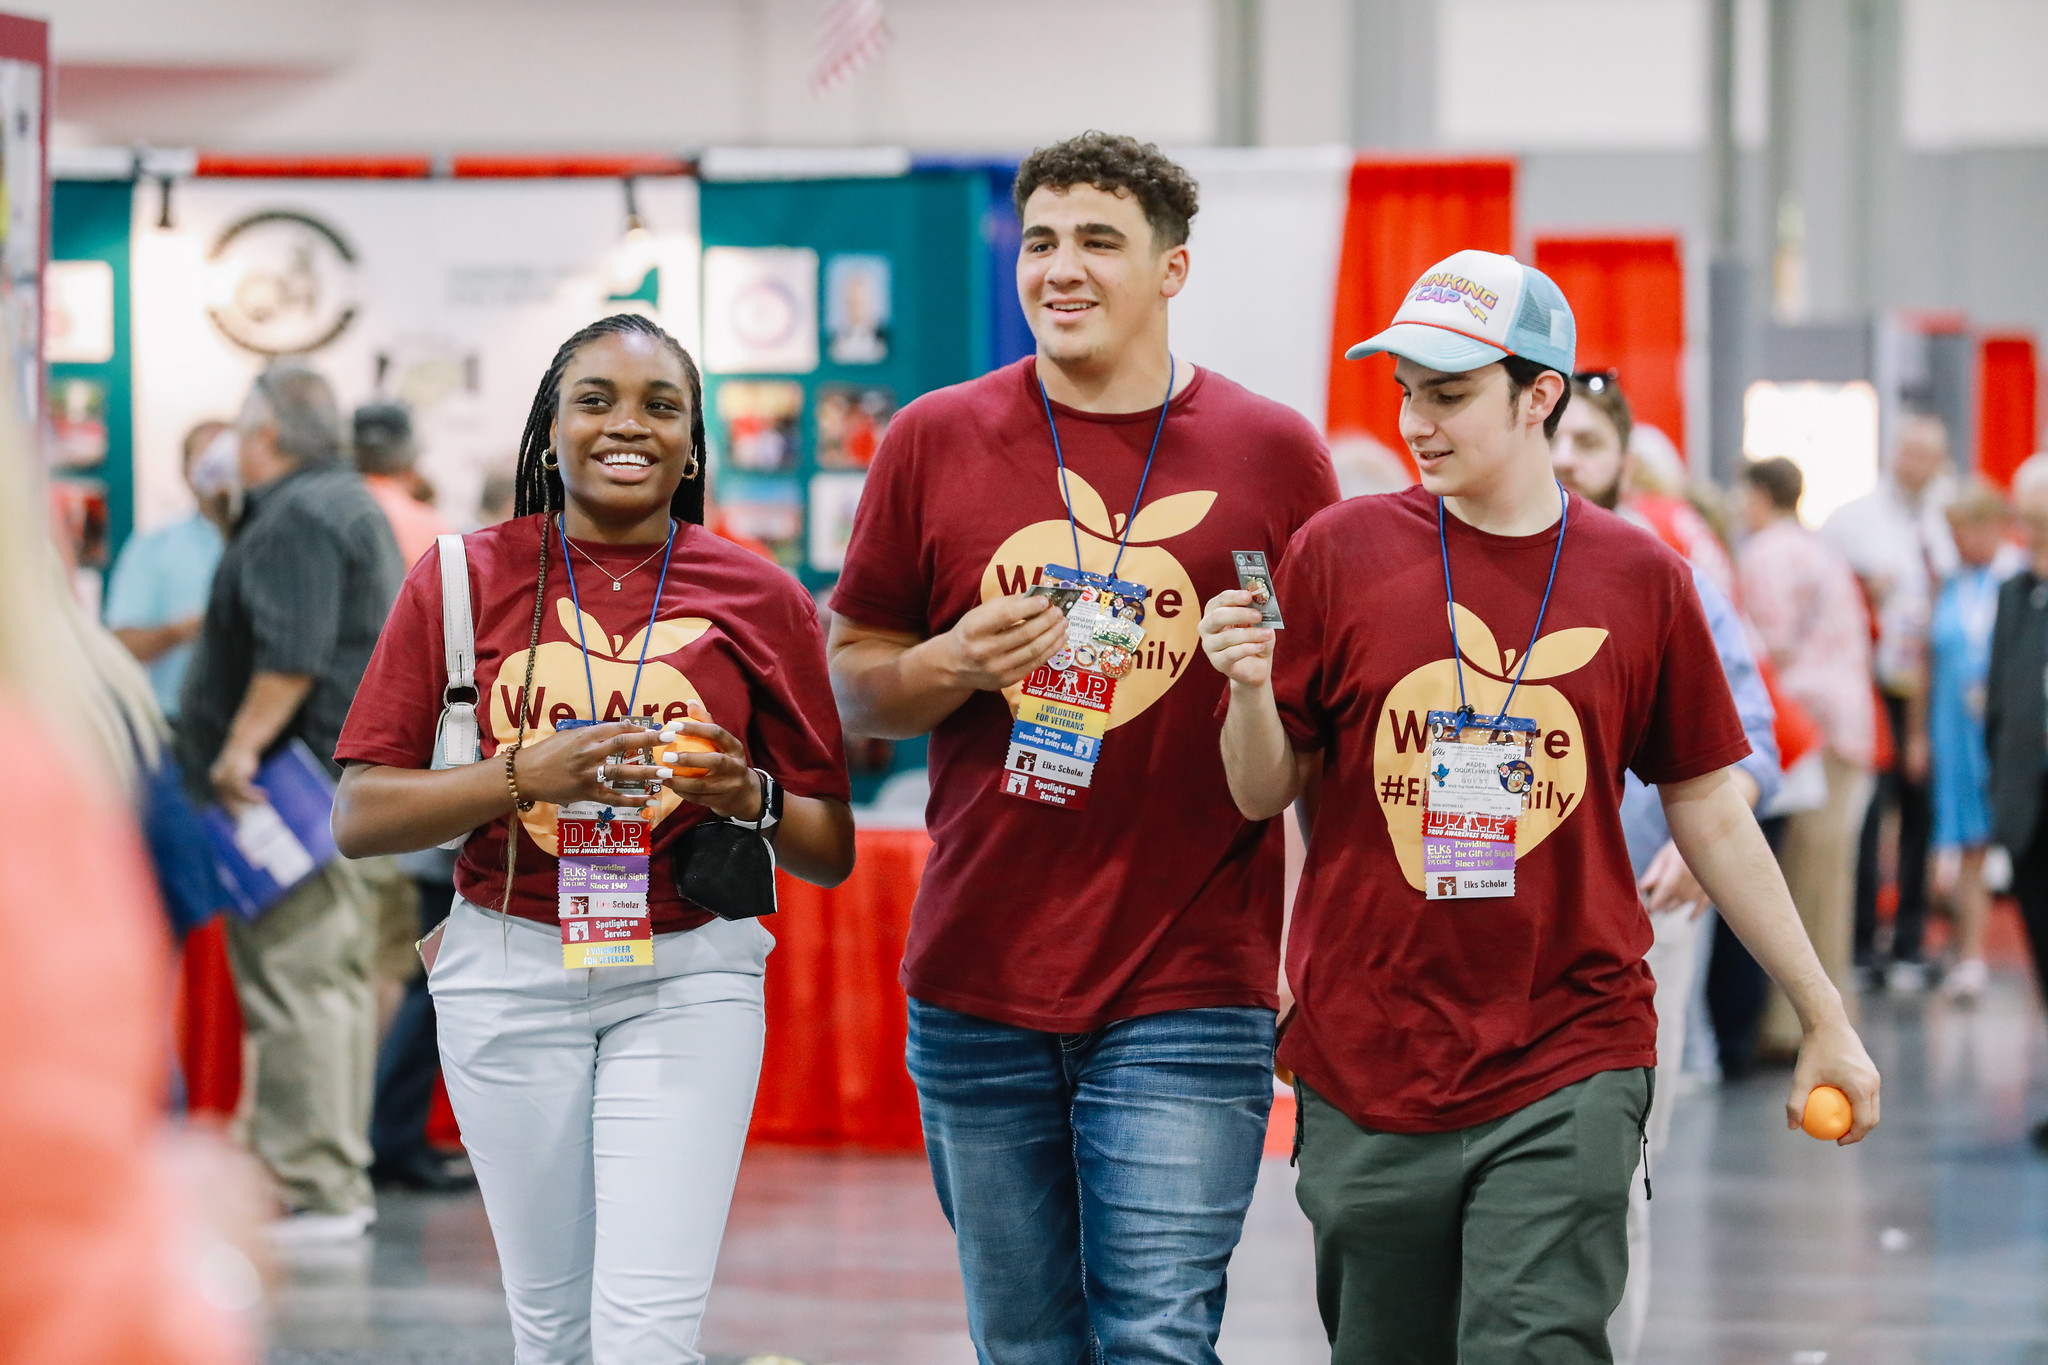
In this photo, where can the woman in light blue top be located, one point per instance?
(157, 591)
(1959, 657)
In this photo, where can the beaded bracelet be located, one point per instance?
(512, 779)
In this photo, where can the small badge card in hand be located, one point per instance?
(1255, 578)
(1062, 595)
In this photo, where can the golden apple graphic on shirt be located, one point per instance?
(1172, 611)
(561, 691)
(1400, 756)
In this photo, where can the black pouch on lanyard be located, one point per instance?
(726, 869)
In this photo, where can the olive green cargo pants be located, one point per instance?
(1503, 1242)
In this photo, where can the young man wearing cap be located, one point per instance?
(1474, 1037)
(1094, 953)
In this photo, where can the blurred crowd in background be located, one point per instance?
(1874, 632)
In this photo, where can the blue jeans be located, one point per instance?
(1097, 1182)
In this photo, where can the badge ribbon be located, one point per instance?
(604, 855)
(1056, 739)
(1474, 792)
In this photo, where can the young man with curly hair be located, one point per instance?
(1092, 961)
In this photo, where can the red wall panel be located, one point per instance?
(1404, 216)
(1628, 298)
(2008, 421)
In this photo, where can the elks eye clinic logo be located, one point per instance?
(560, 691)
(1444, 287)
(280, 282)
(1172, 612)
(1400, 756)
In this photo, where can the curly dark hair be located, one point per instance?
(1116, 164)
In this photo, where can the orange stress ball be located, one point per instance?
(1827, 1114)
(691, 744)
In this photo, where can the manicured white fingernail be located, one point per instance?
(668, 758)
(664, 772)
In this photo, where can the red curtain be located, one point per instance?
(209, 1024)
(833, 1071)
(2008, 383)
(1404, 216)
(1628, 298)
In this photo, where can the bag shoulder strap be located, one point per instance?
(458, 625)
(458, 741)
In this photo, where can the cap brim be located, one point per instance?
(1434, 347)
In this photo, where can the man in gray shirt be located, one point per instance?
(300, 596)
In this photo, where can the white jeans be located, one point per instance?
(1671, 959)
(605, 1110)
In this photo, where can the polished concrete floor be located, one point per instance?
(1927, 1244)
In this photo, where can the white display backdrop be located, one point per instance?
(1829, 430)
(450, 295)
(1262, 273)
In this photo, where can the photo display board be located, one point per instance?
(828, 305)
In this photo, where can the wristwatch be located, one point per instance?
(771, 805)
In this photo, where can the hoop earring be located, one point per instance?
(549, 460)
(695, 465)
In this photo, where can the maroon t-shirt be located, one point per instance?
(733, 631)
(1426, 1016)
(1157, 895)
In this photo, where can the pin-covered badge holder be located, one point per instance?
(601, 881)
(1477, 787)
(1057, 737)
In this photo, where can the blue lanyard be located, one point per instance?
(1132, 515)
(1457, 655)
(646, 638)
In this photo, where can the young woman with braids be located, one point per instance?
(603, 1108)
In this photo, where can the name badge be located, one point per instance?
(1479, 780)
(601, 888)
(1056, 739)
(601, 885)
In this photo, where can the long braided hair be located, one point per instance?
(537, 488)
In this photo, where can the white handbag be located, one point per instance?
(458, 740)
